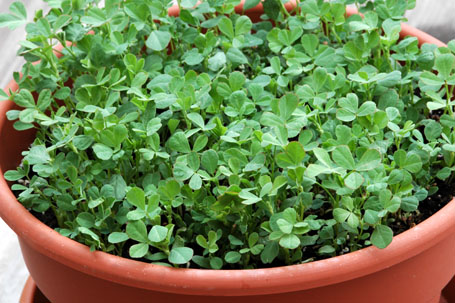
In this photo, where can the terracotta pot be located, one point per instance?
(414, 268)
(31, 293)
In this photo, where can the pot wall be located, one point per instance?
(31, 294)
(408, 281)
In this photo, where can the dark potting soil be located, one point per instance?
(427, 208)
(47, 218)
(403, 222)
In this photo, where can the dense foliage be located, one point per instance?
(207, 140)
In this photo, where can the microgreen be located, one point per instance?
(208, 140)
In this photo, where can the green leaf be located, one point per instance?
(249, 198)
(117, 237)
(200, 143)
(370, 159)
(188, 3)
(217, 61)
(179, 143)
(345, 115)
(38, 155)
(182, 172)
(358, 26)
(102, 151)
(193, 57)
(44, 99)
(202, 241)
(413, 163)
(62, 20)
(95, 17)
(326, 250)
(270, 119)
(354, 181)
(310, 43)
(287, 105)
(409, 204)
(24, 99)
(290, 241)
(392, 205)
(193, 161)
(180, 255)
(226, 27)
(271, 8)
(325, 57)
(153, 126)
(196, 119)
(382, 236)
(236, 56)
(367, 108)
(136, 197)
(216, 263)
(395, 177)
(158, 233)
(293, 155)
(400, 157)
(250, 4)
(285, 226)
(444, 65)
(442, 174)
(138, 250)
(158, 40)
(380, 119)
(236, 81)
(14, 175)
(137, 230)
(392, 29)
(371, 217)
(253, 239)
(323, 156)
(171, 189)
(44, 27)
(314, 170)
(89, 233)
(232, 257)
(243, 25)
(341, 215)
(82, 142)
(209, 161)
(433, 130)
(350, 103)
(119, 185)
(270, 252)
(343, 157)
(431, 79)
(139, 80)
(17, 17)
(195, 182)
(85, 219)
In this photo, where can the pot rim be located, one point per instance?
(223, 282)
(29, 291)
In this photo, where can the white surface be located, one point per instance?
(12, 268)
(433, 16)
